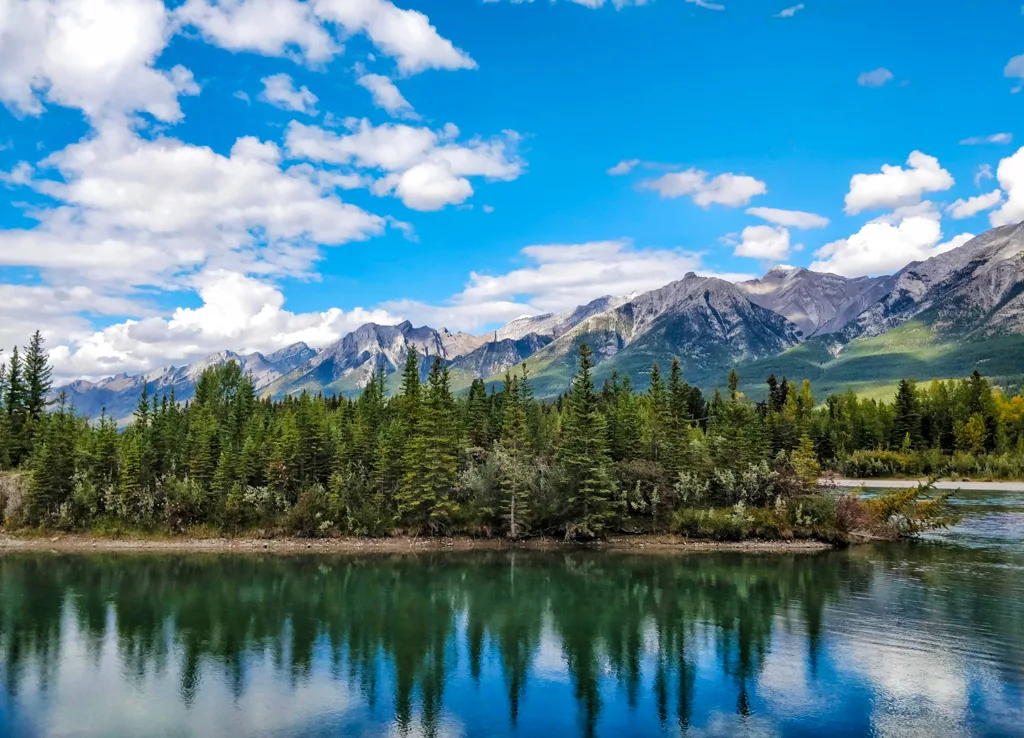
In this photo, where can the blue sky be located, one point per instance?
(191, 176)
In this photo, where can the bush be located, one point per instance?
(311, 518)
(730, 524)
(186, 503)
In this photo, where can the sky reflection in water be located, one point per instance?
(924, 638)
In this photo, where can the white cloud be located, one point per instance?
(764, 242)
(789, 12)
(237, 311)
(405, 35)
(387, 96)
(135, 212)
(875, 78)
(561, 277)
(984, 172)
(279, 91)
(729, 190)
(995, 138)
(94, 55)
(425, 169)
(972, 206)
(623, 167)
(488, 209)
(270, 27)
(1011, 178)
(1015, 70)
(294, 28)
(790, 218)
(884, 246)
(896, 186)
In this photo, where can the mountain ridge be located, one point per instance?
(967, 293)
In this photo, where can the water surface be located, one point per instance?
(915, 639)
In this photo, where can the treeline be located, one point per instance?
(494, 462)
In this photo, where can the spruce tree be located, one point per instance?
(513, 461)
(658, 425)
(906, 422)
(426, 499)
(14, 405)
(37, 377)
(53, 465)
(583, 458)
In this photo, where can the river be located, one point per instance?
(924, 638)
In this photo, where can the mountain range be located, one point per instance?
(957, 311)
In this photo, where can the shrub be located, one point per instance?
(310, 517)
(730, 524)
(908, 512)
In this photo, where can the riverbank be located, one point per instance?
(10, 543)
(945, 484)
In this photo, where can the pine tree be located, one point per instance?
(658, 424)
(583, 458)
(426, 501)
(513, 460)
(53, 465)
(906, 420)
(37, 377)
(477, 412)
(14, 405)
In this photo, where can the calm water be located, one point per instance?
(918, 639)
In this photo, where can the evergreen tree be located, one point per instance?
(906, 421)
(583, 458)
(53, 466)
(37, 377)
(658, 424)
(14, 405)
(426, 499)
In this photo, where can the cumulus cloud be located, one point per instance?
(896, 186)
(425, 169)
(995, 138)
(387, 96)
(875, 78)
(887, 244)
(269, 27)
(560, 277)
(790, 218)
(141, 212)
(764, 242)
(405, 35)
(279, 91)
(1011, 178)
(96, 56)
(294, 28)
(237, 311)
(789, 12)
(729, 190)
(972, 206)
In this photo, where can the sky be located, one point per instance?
(188, 176)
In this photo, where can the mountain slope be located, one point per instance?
(119, 395)
(346, 365)
(974, 288)
(708, 322)
(816, 302)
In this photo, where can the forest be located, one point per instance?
(494, 462)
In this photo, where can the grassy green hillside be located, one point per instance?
(873, 366)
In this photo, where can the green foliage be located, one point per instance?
(496, 462)
(911, 511)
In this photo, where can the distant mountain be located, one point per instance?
(977, 288)
(816, 302)
(345, 366)
(119, 395)
(556, 324)
(941, 317)
(708, 322)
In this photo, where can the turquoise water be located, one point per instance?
(915, 639)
